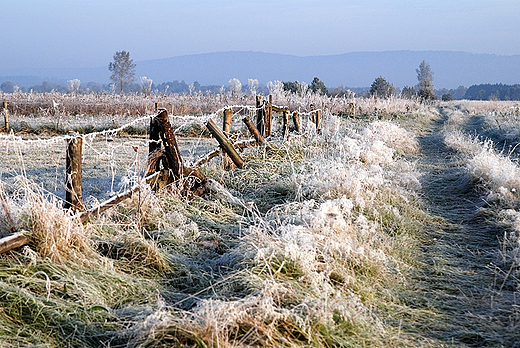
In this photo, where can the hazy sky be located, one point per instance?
(74, 33)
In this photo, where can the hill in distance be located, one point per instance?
(356, 69)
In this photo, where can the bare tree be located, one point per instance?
(235, 87)
(73, 86)
(253, 86)
(123, 70)
(146, 85)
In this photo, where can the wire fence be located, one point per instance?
(112, 159)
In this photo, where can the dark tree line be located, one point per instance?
(493, 92)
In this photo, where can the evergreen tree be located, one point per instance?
(408, 92)
(318, 87)
(425, 77)
(381, 88)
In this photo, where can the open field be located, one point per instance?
(397, 226)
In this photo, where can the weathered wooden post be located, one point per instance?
(297, 124)
(318, 121)
(226, 128)
(224, 143)
(157, 107)
(171, 149)
(285, 124)
(260, 115)
(153, 146)
(316, 118)
(269, 117)
(253, 130)
(73, 172)
(6, 117)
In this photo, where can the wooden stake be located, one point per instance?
(227, 121)
(269, 118)
(226, 128)
(73, 186)
(253, 130)
(6, 117)
(318, 121)
(296, 120)
(224, 143)
(285, 124)
(260, 115)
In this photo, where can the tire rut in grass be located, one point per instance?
(458, 282)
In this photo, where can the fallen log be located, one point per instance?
(13, 241)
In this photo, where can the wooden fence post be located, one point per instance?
(171, 149)
(318, 121)
(154, 145)
(260, 115)
(296, 120)
(316, 118)
(224, 143)
(285, 124)
(226, 128)
(269, 117)
(73, 172)
(157, 106)
(6, 117)
(253, 130)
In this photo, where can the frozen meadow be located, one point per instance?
(330, 239)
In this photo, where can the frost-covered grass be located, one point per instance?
(310, 244)
(496, 172)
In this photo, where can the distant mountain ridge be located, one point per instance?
(356, 69)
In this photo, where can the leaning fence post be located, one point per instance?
(226, 128)
(73, 172)
(6, 117)
(224, 143)
(253, 130)
(296, 120)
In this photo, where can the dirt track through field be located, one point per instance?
(470, 301)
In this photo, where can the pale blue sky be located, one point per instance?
(73, 33)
